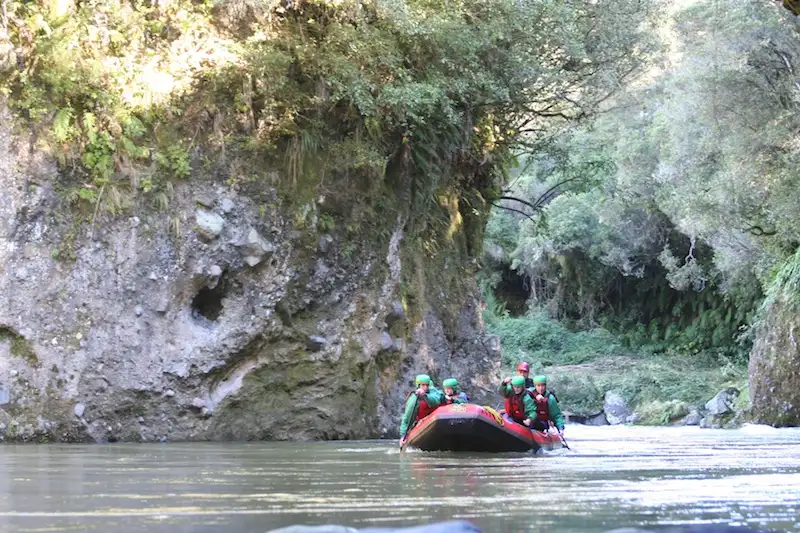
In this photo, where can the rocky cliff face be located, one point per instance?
(775, 367)
(222, 317)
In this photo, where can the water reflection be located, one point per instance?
(614, 477)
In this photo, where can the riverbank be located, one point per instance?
(599, 380)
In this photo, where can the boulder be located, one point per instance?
(208, 224)
(386, 341)
(493, 344)
(227, 205)
(598, 419)
(616, 408)
(397, 313)
(316, 343)
(324, 243)
(692, 419)
(723, 402)
(204, 199)
(255, 247)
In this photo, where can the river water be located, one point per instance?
(612, 477)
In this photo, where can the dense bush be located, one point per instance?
(666, 218)
(341, 97)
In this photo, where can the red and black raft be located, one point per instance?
(474, 428)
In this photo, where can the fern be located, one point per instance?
(90, 126)
(62, 125)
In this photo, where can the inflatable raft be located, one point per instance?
(474, 428)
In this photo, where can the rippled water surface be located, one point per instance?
(613, 477)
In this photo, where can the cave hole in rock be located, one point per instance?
(513, 290)
(207, 303)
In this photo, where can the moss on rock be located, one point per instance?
(20, 347)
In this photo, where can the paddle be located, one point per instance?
(563, 440)
(534, 446)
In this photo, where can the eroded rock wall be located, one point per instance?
(775, 367)
(218, 318)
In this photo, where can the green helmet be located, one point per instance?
(518, 381)
(539, 379)
(423, 378)
(450, 382)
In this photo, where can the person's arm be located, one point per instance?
(555, 412)
(505, 389)
(529, 405)
(408, 415)
(435, 397)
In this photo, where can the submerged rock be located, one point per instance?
(453, 526)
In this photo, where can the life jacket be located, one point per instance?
(543, 406)
(423, 409)
(461, 396)
(515, 408)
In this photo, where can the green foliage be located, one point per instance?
(545, 342)
(502, 229)
(578, 392)
(351, 98)
(174, 161)
(326, 223)
(784, 286)
(677, 234)
(583, 365)
(658, 412)
(97, 80)
(660, 389)
(742, 404)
